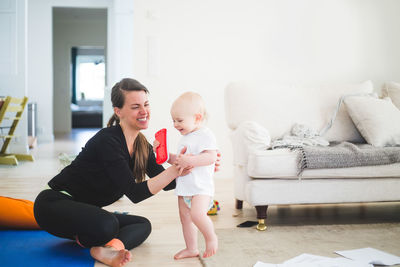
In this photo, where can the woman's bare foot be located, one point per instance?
(211, 247)
(110, 256)
(186, 253)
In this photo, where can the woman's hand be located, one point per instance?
(184, 161)
(155, 145)
(185, 171)
(182, 169)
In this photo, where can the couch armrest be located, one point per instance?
(247, 136)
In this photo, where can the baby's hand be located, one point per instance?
(184, 161)
(155, 145)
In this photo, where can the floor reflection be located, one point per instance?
(353, 213)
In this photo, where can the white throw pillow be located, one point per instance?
(392, 90)
(343, 128)
(378, 120)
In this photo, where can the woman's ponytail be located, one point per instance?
(114, 120)
(141, 150)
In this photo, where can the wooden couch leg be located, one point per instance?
(239, 204)
(261, 216)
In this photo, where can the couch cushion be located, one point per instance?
(378, 120)
(392, 90)
(283, 163)
(278, 107)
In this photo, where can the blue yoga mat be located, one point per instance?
(36, 248)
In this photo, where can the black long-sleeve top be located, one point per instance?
(102, 172)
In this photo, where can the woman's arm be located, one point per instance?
(164, 179)
(157, 183)
(153, 169)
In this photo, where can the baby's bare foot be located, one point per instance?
(186, 253)
(211, 247)
(110, 256)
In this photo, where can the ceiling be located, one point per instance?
(68, 13)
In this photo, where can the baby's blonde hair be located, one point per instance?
(193, 102)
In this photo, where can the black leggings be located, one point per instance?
(60, 215)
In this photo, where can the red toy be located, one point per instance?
(161, 150)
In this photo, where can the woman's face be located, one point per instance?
(135, 113)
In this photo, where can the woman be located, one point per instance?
(113, 163)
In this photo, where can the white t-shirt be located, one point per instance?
(200, 180)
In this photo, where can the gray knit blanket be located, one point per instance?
(344, 155)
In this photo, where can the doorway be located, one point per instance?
(87, 86)
(79, 60)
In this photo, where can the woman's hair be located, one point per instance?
(140, 146)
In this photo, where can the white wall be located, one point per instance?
(203, 45)
(40, 66)
(120, 49)
(13, 64)
(67, 33)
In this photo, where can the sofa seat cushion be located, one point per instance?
(283, 163)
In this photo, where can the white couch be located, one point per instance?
(260, 111)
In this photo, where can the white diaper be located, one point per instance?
(188, 201)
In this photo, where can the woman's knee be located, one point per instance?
(46, 208)
(146, 226)
(107, 226)
(102, 231)
(134, 234)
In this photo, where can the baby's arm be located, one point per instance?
(205, 158)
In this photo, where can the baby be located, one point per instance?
(195, 191)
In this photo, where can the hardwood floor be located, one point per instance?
(28, 178)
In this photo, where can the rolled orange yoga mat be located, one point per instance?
(17, 214)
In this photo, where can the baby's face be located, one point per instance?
(184, 121)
